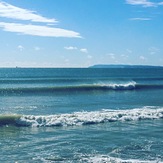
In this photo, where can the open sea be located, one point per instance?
(87, 115)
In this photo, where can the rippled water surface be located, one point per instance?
(81, 115)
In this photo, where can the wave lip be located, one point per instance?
(87, 118)
(9, 119)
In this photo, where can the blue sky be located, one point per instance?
(78, 33)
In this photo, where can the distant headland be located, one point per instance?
(123, 66)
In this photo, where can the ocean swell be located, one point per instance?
(65, 88)
(99, 86)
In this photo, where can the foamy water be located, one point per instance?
(95, 117)
(108, 159)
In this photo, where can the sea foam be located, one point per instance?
(108, 159)
(94, 117)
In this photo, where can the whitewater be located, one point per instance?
(83, 118)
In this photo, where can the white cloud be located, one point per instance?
(111, 55)
(71, 48)
(84, 50)
(20, 47)
(124, 56)
(37, 30)
(140, 19)
(13, 12)
(144, 3)
(153, 50)
(142, 58)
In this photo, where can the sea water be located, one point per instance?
(81, 115)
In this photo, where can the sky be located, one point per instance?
(78, 33)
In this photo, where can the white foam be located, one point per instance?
(108, 159)
(94, 117)
(128, 85)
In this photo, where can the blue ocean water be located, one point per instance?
(81, 115)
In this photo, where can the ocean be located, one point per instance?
(81, 115)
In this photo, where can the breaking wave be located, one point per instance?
(100, 86)
(82, 118)
(80, 87)
(105, 159)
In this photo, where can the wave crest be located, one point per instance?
(118, 86)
